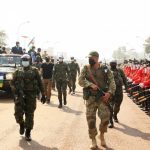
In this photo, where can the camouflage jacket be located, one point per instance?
(102, 76)
(120, 78)
(61, 72)
(27, 79)
(74, 68)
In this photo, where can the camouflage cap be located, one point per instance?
(93, 53)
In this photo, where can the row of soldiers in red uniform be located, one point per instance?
(138, 75)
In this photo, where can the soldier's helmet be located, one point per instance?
(25, 60)
(25, 57)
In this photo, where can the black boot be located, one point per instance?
(115, 118)
(65, 98)
(60, 99)
(111, 125)
(28, 135)
(21, 131)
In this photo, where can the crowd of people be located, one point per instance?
(138, 75)
(102, 87)
(37, 76)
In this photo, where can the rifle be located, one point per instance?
(100, 92)
(137, 93)
(144, 99)
(131, 88)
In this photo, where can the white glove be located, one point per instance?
(141, 84)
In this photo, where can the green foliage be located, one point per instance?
(3, 38)
(120, 53)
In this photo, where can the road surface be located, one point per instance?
(66, 128)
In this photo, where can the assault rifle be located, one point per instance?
(137, 93)
(100, 92)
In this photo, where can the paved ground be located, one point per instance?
(66, 129)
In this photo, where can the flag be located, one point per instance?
(1, 80)
(25, 36)
(31, 42)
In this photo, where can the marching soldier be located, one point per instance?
(60, 75)
(26, 84)
(74, 68)
(120, 80)
(96, 79)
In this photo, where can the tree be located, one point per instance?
(120, 53)
(3, 37)
(147, 45)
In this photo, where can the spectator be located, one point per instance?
(17, 49)
(46, 71)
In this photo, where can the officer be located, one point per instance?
(74, 68)
(95, 77)
(26, 84)
(120, 80)
(60, 75)
(17, 49)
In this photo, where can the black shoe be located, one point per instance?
(21, 131)
(59, 106)
(28, 135)
(115, 119)
(65, 102)
(111, 126)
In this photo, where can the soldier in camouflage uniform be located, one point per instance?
(26, 84)
(120, 80)
(60, 75)
(74, 68)
(107, 84)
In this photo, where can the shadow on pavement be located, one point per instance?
(133, 132)
(69, 110)
(33, 145)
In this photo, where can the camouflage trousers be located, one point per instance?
(103, 113)
(72, 84)
(61, 86)
(27, 107)
(114, 104)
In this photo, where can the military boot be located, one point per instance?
(103, 143)
(21, 131)
(115, 118)
(94, 144)
(111, 124)
(28, 135)
(60, 100)
(60, 103)
(65, 98)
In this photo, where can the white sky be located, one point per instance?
(77, 26)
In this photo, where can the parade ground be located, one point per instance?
(66, 128)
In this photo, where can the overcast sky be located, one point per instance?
(77, 26)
